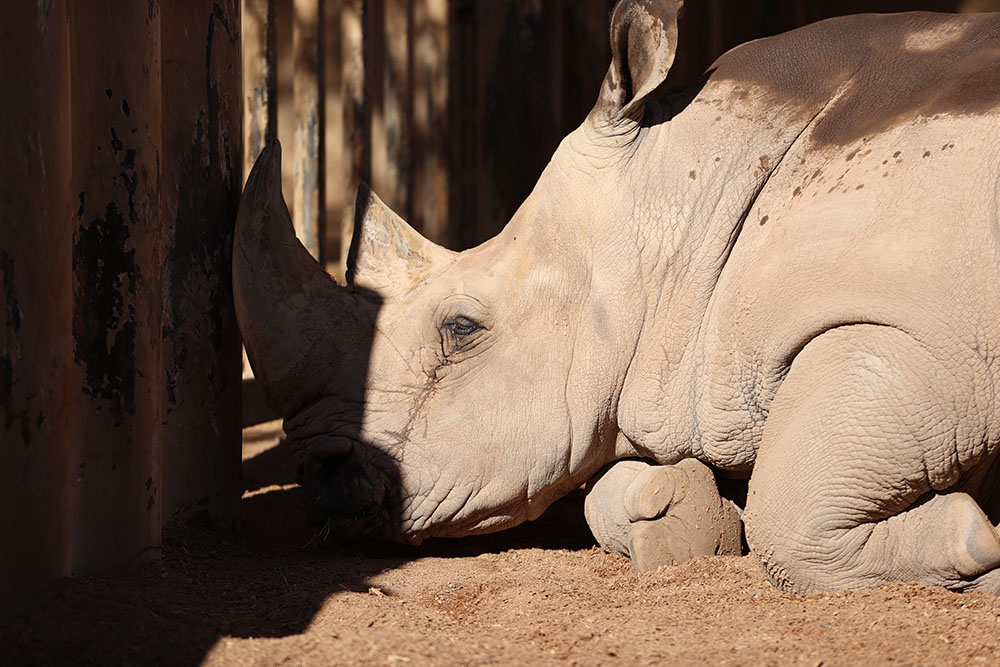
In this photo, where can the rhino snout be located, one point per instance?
(349, 487)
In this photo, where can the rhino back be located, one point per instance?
(884, 209)
(881, 70)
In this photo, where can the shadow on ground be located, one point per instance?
(267, 581)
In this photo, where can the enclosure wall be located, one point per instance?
(119, 354)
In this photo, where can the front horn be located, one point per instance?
(300, 328)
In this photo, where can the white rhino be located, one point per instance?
(789, 271)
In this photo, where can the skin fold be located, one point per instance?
(786, 271)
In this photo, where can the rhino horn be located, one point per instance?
(387, 255)
(298, 325)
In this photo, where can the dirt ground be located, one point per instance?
(540, 594)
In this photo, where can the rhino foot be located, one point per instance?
(661, 514)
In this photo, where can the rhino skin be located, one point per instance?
(787, 271)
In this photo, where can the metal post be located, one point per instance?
(309, 207)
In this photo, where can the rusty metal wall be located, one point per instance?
(36, 337)
(119, 355)
(202, 159)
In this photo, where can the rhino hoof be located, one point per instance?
(678, 515)
(653, 544)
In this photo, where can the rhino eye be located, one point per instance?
(460, 326)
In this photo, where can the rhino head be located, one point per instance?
(442, 393)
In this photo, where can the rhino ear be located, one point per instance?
(643, 45)
(387, 255)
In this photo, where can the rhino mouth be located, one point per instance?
(351, 488)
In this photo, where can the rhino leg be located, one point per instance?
(661, 514)
(859, 477)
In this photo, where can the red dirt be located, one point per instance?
(539, 594)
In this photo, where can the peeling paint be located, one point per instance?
(104, 325)
(199, 259)
(9, 291)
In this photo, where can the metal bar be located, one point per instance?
(260, 81)
(398, 106)
(336, 197)
(307, 44)
(356, 148)
(430, 49)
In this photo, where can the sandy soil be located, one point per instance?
(540, 594)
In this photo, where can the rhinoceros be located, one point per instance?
(787, 272)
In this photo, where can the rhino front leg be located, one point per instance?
(857, 481)
(661, 514)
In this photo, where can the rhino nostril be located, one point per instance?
(340, 488)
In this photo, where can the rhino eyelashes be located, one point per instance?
(461, 326)
(459, 334)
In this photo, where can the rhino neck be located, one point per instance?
(705, 165)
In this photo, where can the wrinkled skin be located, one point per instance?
(788, 271)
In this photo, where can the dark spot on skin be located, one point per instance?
(692, 175)
(927, 154)
(717, 159)
(885, 162)
(947, 146)
(863, 63)
(764, 220)
(897, 154)
(815, 174)
(125, 107)
(860, 187)
(885, 174)
(850, 156)
(796, 192)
